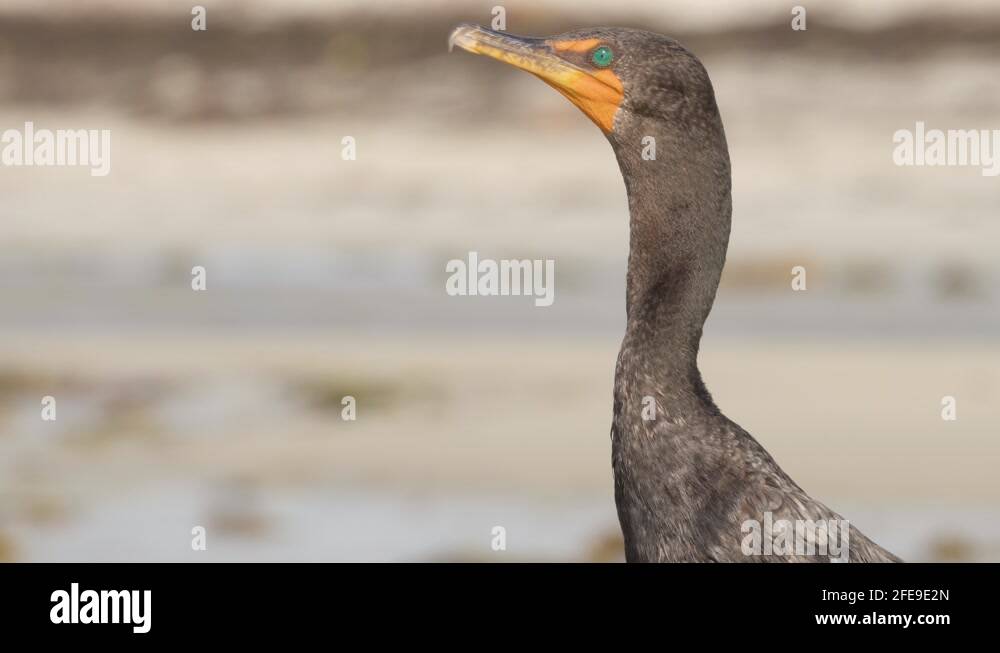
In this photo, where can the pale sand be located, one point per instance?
(850, 422)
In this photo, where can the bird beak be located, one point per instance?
(598, 93)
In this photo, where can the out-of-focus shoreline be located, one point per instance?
(243, 432)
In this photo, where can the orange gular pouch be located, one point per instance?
(563, 65)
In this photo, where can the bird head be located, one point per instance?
(620, 78)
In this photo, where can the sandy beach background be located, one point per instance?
(326, 278)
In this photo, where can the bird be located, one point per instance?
(690, 484)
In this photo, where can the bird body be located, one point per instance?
(690, 484)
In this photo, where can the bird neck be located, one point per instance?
(680, 208)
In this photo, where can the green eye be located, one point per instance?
(602, 57)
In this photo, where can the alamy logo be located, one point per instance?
(505, 277)
(955, 147)
(62, 147)
(102, 607)
(800, 537)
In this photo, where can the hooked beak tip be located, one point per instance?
(462, 37)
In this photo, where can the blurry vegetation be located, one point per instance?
(238, 521)
(866, 277)
(15, 383)
(8, 552)
(125, 406)
(41, 509)
(606, 547)
(951, 548)
(235, 510)
(121, 421)
(609, 547)
(956, 281)
(174, 266)
(765, 275)
(326, 393)
(859, 277)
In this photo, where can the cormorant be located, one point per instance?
(690, 484)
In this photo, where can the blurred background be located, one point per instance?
(325, 278)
